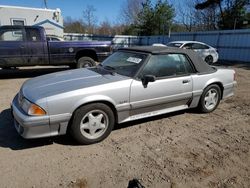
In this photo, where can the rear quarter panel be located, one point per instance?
(225, 77)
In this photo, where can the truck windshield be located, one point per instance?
(124, 63)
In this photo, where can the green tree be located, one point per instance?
(154, 20)
(163, 16)
(234, 14)
(146, 24)
(231, 12)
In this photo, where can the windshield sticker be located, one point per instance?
(134, 60)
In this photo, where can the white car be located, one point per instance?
(208, 53)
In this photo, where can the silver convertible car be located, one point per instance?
(131, 84)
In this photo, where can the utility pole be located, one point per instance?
(45, 4)
(235, 23)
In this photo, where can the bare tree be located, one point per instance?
(187, 15)
(90, 18)
(198, 19)
(130, 10)
(210, 10)
(105, 28)
(73, 26)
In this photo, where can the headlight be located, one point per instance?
(32, 109)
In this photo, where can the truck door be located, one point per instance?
(13, 51)
(37, 47)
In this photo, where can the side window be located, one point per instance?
(188, 46)
(11, 35)
(33, 35)
(204, 46)
(167, 65)
(199, 46)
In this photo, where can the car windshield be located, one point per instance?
(124, 63)
(176, 45)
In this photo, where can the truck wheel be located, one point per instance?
(210, 98)
(84, 62)
(92, 123)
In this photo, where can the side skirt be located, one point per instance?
(154, 113)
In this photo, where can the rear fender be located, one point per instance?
(197, 94)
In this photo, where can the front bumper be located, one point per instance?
(37, 126)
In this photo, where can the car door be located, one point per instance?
(13, 51)
(201, 49)
(171, 90)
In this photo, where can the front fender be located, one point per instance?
(91, 99)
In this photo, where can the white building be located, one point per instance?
(50, 19)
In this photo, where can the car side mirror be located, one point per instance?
(146, 79)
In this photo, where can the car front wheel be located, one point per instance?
(210, 99)
(92, 123)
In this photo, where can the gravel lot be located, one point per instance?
(183, 149)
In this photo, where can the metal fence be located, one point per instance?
(233, 45)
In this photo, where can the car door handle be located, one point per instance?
(22, 46)
(185, 81)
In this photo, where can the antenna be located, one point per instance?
(45, 4)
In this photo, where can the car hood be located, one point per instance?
(65, 81)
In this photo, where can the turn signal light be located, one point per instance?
(36, 110)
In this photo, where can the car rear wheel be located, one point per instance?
(209, 59)
(92, 123)
(210, 99)
(85, 62)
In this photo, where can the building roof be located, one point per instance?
(29, 8)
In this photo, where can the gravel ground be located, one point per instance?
(183, 149)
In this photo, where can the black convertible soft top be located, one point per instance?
(200, 65)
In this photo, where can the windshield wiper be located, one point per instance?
(108, 68)
(100, 65)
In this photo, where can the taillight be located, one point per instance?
(234, 76)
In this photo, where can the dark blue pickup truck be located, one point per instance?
(28, 46)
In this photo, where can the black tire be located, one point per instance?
(85, 62)
(81, 124)
(204, 104)
(209, 59)
(72, 66)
